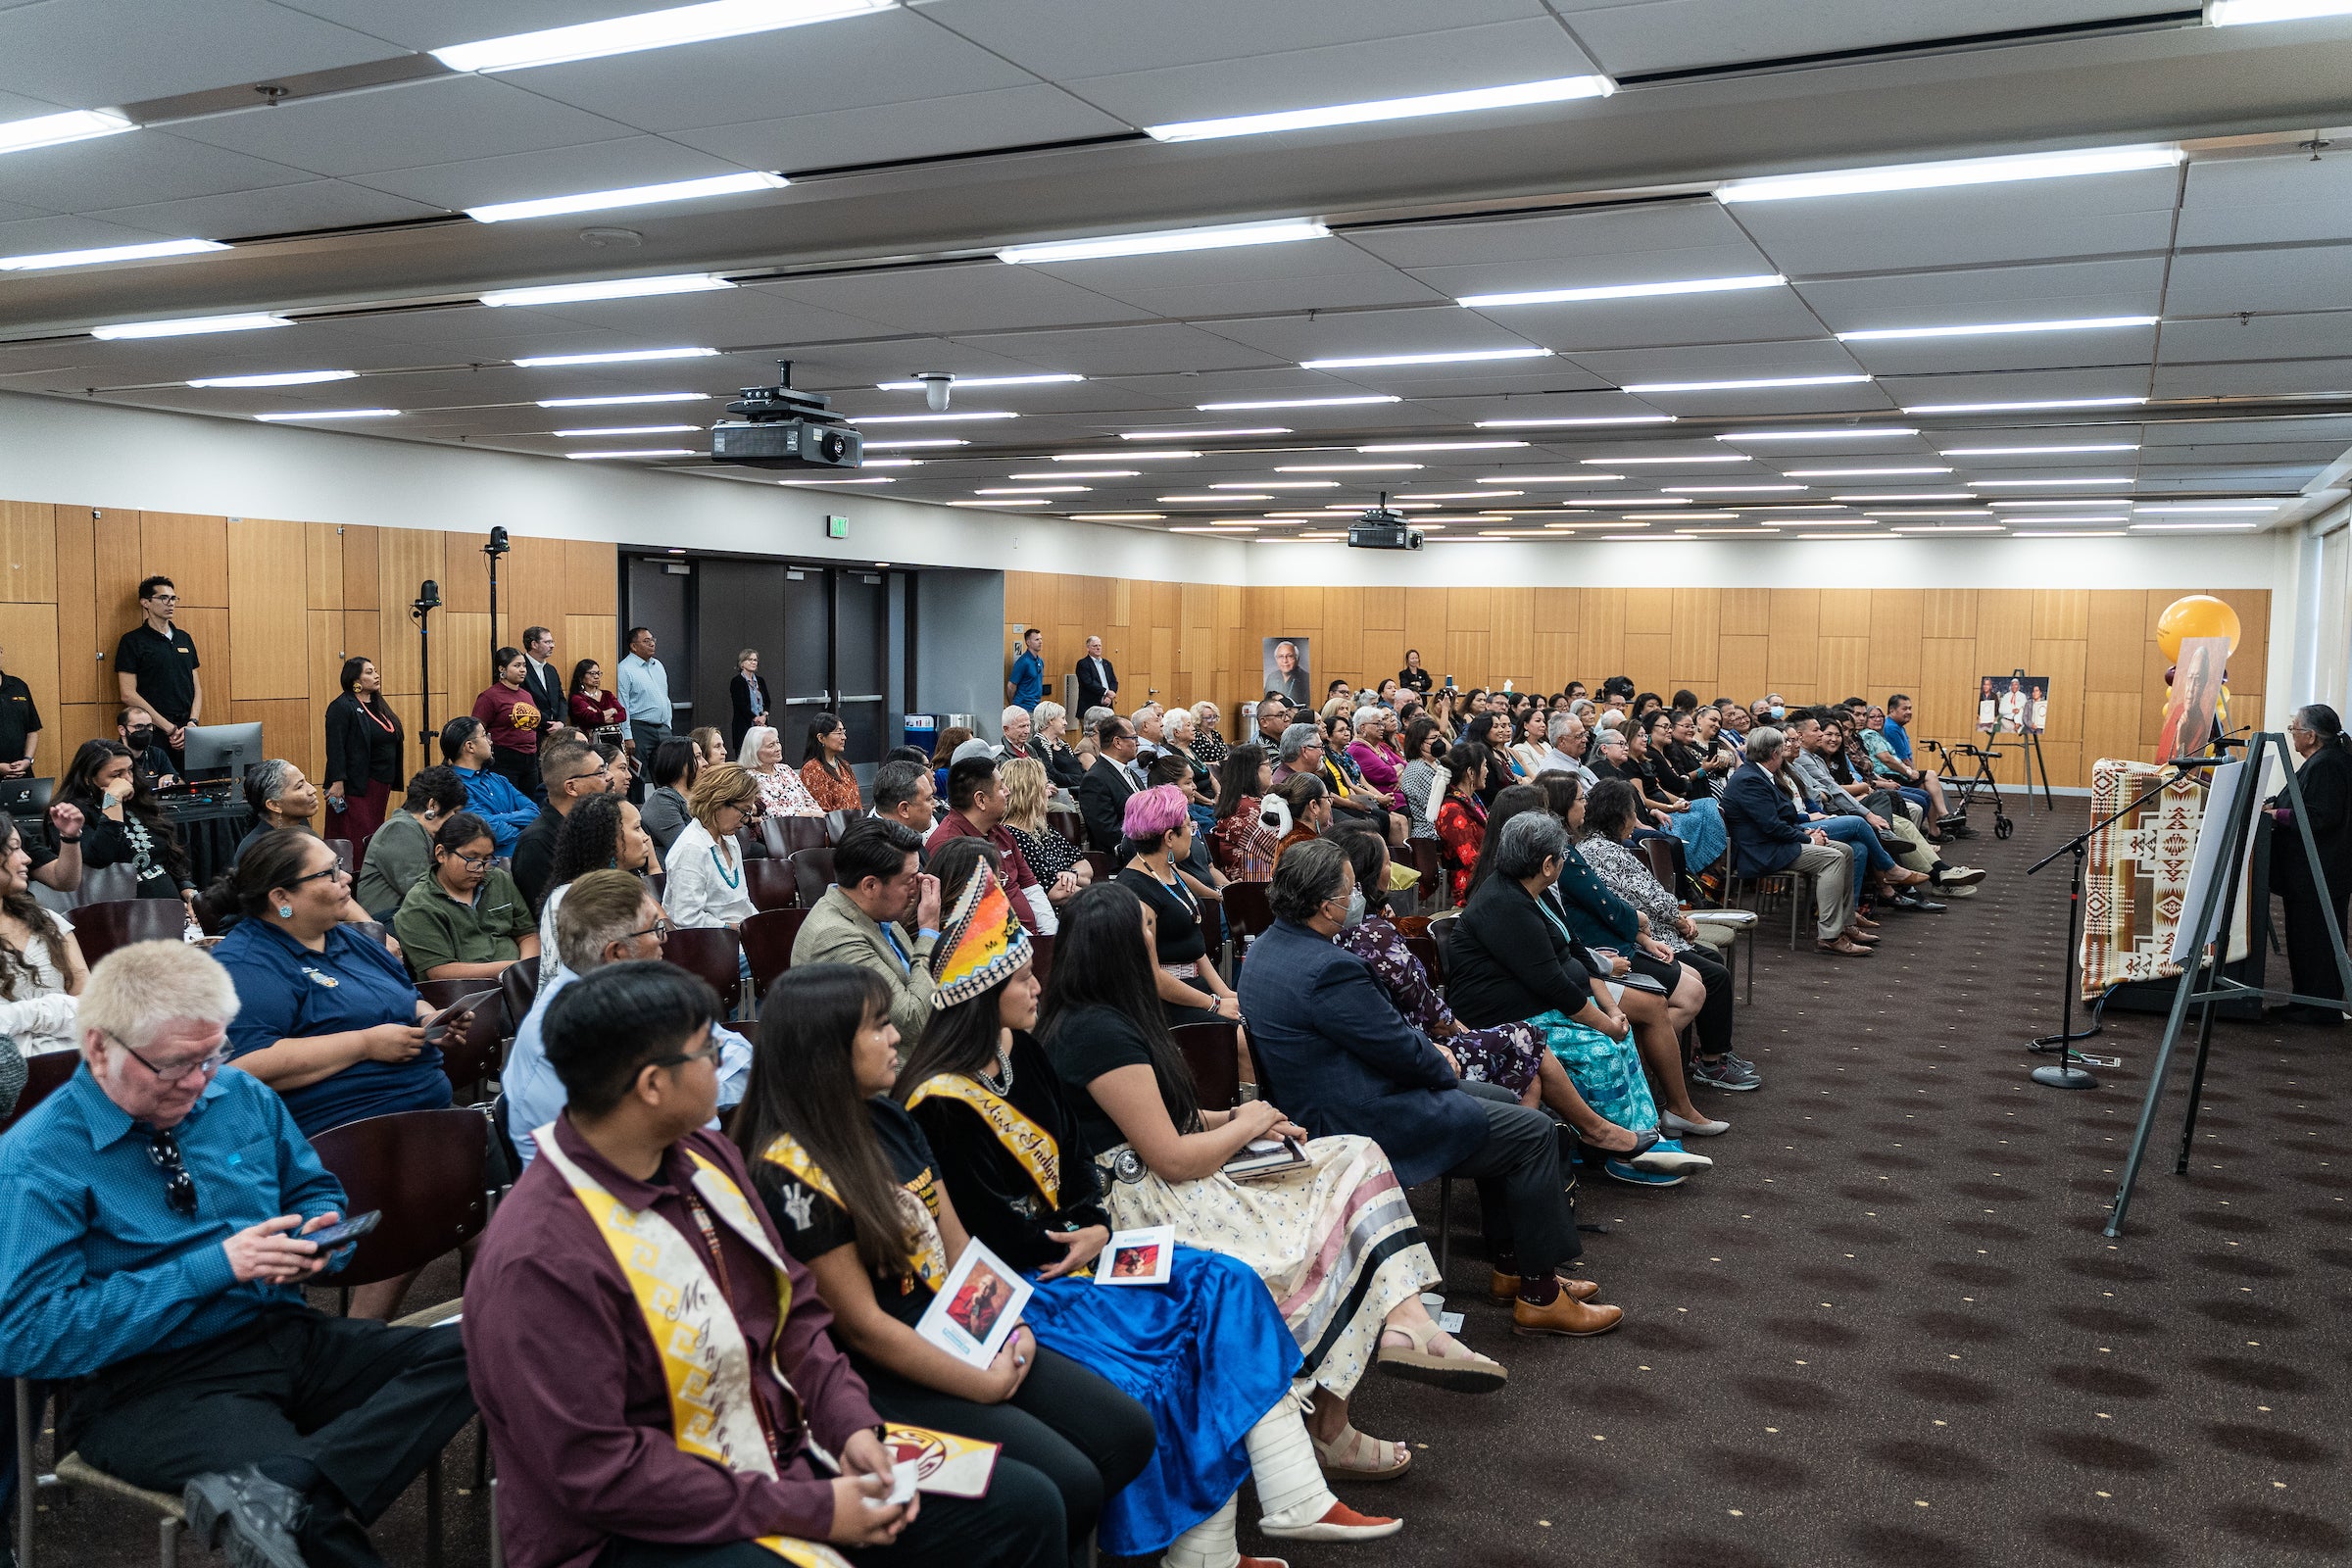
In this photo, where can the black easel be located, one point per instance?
(427, 600)
(2212, 918)
(2031, 754)
(2064, 1074)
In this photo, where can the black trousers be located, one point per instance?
(1521, 1196)
(1085, 1437)
(2310, 958)
(366, 1404)
(518, 769)
(1016, 1525)
(1714, 1018)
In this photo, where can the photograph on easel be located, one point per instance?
(2014, 704)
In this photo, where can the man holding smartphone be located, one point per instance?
(153, 1266)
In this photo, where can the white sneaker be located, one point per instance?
(1676, 1125)
(1670, 1157)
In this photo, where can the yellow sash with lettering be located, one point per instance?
(705, 1358)
(928, 1260)
(1023, 1138)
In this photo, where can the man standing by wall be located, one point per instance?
(1025, 687)
(541, 682)
(1098, 681)
(20, 727)
(645, 693)
(154, 668)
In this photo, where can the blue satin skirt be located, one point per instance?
(1702, 833)
(1207, 1354)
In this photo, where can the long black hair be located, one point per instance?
(1237, 777)
(2322, 723)
(813, 750)
(1513, 801)
(587, 841)
(579, 671)
(36, 918)
(803, 1085)
(351, 677)
(79, 788)
(1101, 959)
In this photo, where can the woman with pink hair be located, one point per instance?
(1160, 826)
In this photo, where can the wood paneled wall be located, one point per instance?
(275, 607)
(2097, 646)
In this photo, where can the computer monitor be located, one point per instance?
(211, 749)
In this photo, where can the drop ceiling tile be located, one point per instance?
(436, 23)
(728, 319)
(442, 119)
(2254, 379)
(2250, 201)
(1439, 329)
(307, 204)
(2088, 217)
(2321, 430)
(16, 106)
(1563, 406)
(1676, 34)
(967, 297)
(1063, 39)
(626, 160)
(1564, 239)
(855, 368)
(2134, 346)
(2259, 337)
(1488, 56)
(2304, 277)
(894, 56)
(38, 236)
(95, 54)
(1008, 117)
(1425, 382)
(1310, 275)
(1206, 302)
(1954, 296)
(1124, 350)
(1721, 361)
(145, 166)
(1750, 316)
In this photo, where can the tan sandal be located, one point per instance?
(1468, 1373)
(1351, 1455)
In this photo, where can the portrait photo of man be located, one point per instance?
(1286, 670)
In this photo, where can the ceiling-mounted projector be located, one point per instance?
(779, 428)
(1380, 528)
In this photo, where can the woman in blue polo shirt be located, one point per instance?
(325, 1016)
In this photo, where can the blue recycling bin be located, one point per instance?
(920, 731)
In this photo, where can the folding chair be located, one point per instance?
(1248, 911)
(1661, 865)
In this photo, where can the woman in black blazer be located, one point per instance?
(362, 754)
(2326, 780)
(748, 700)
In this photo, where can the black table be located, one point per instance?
(210, 831)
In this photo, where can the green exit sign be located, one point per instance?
(837, 527)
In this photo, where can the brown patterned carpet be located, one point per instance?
(1885, 1329)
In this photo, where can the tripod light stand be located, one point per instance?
(427, 600)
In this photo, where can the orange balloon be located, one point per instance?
(2197, 616)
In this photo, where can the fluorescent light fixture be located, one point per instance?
(1440, 446)
(1558, 89)
(1091, 474)
(1394, 506)
(2027, 406)
(616, 288)
(1563, 424)
(1278, 484)
(1645, 539)
(1838, 433)
(1759, 384)
(2208, 505)
(2083, 323)
(628, 429)
(1365, 362)
(1550, 479)
(1349, 468)
(1623, 291)
(1195, 435)
(109, 253)
(51, 131)
(800, 484)
(290, 415)
(2028, 451)
(1719, 533)
(1037, 490)
(647, 452)
(1733, 489)
(893, 463)
(1435, 496)
(618, 357)
(1915, 494)
(1948, 171)
(278, 379)
(2070, 516)
(1931, 511)
(646, 29)
(1221, 499)
(911, 446)
(620, 398)
(2108, 501)
(1144, 456)
(1007, 501)
(2070, 533)
(1842, 538)
(1954, 527)
(1693, 459)
(188, 326)
(929, 418)
(1821, 522)
(594, 201)
(2044, 484)
(1858, 474)
(1165, 241)
(1681, 516)
(2247, 13)
(984, 380)
(1117, 516)
(1299, 403)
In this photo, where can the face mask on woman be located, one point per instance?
(1356, 911)
(1779, 712)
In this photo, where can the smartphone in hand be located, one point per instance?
(350, 1230)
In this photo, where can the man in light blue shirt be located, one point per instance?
(606, 917)
(644, 690)
(152, 1216)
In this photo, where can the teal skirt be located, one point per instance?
(1606, 1072)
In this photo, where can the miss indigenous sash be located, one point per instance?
(705, 1358)
(1023, 1138)
(929, 1257)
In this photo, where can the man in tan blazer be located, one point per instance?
(879, 881)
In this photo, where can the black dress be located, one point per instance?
(2326, 780)
(359, 750)
(997, 1199)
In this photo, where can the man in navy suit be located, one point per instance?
(1768, 835)
(1340, 1058)
(1098, 681)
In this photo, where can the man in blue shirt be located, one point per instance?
(606, 917)
(1026, 688)
(489, 795)
(1906, 770)
(151, 1216)
(644, 688)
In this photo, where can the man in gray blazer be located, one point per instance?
(878, 880)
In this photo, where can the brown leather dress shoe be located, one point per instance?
(1843, 947)
(1565, 1315)
(1503, 1289)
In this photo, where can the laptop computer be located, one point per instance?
(25, 796)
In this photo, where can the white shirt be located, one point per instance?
(44, 1017)
(702, 891)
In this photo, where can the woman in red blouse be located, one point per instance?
(507, 712)
(598, 713)
(823, 768)
(1462, 818)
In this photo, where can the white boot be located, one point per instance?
(1297, 1504)
(1209, 1543)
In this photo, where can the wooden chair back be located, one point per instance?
(44, 1075)
(101, 928)
(801, 832)
(767, 938)
(812, 873)
(425, 1169)
(773, 884)
(1246, 909)
(1069, 824)
(712, 951)
(343, 856)
(1209, 1052)
(518, 988)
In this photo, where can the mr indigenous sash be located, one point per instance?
(706, 1360)
(1023, 1138)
